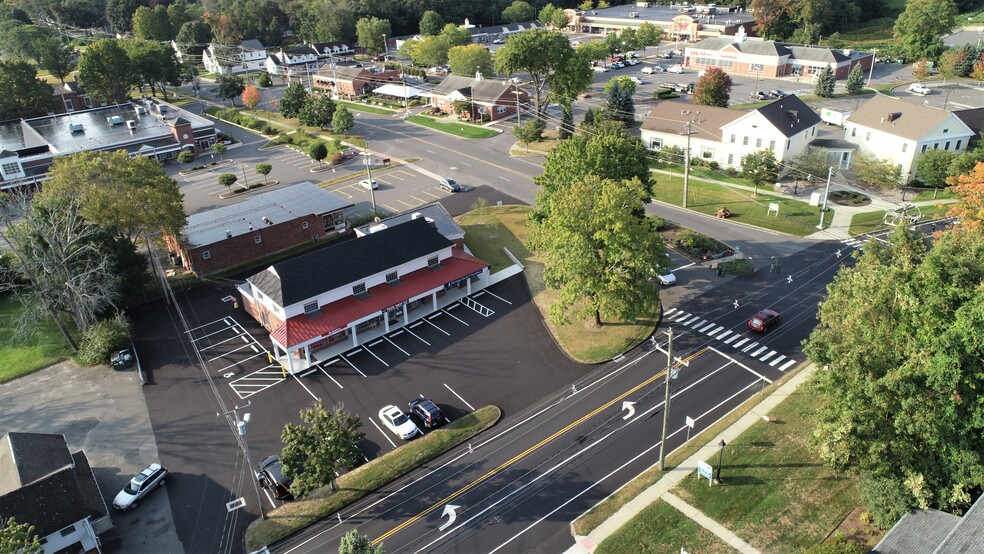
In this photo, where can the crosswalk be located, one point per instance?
(726, 336)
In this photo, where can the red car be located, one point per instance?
(763, 320)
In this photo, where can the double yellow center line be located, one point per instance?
(523, 454)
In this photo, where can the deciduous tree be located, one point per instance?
(318, 111)
(370, 31)
(152, 23)
(599, 252)
(194, 36)
(250, 96)
(529, 132)
(879, 172)
(355, 543)
(119, 14)
(105, 71)
(431, 23)
(760, 167)
(231, 86)
(24, 95)
(920, 69)
(952, 62)
(55, 57)
(977, 73)
(825, 83)
(970, 190)
(293, 100)
(518, 12)
(813, 163)
(921, 27)
(713, 89)
(466, 60)
(932, 167)
(227, 180)
(318, 151)
(325, 444)
(342, 121)
(219, 147)
(649, 35)
(542, 54)
(431, 51)
(264, 169)
(154, 64)
(19, 538)
(456, 35)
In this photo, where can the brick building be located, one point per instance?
(351, 82)
(491, 99)
(262, 225)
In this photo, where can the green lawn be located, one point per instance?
(662, 528)
(937, 194)
(866, 222)
(458, 129)
(795, 217)
(22, 355)
(359, 107)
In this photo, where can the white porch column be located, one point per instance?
(468, 286)
(307, 354)
(406, 313)
(290, 362)
(434, 301)
(355, 335)
(386, 322)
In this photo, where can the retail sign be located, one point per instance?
(393, 307)
(458, 281)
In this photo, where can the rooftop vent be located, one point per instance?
(115, 120)
(893, 116)
(76, 127)
(228, 234)
(416, 215)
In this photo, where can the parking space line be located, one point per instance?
(330, 377)
(472, 408)
(391, 208)
(397, 346)
(233, 351)
(238, 363)
(418, 337)
(189, 331)
(422, 201)
(366, 347)
(296, 378)
(407, 204)
(431, 194)
(435, 326)
(349, 362)
(218, 343)
(215, 333)
(452, 315)
(497, 296)
(387, 437)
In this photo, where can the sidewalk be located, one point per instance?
(661, 489)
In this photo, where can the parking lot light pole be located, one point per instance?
(372, 193)
(240, 425)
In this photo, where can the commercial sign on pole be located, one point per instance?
(704, 469)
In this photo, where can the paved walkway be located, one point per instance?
(661, 489)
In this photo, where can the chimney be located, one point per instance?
(228, 234)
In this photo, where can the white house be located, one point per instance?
(890, 128)
(306, 59)
(785, 126)
(248, 55)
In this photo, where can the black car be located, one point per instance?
(427, 412)
(271, 477)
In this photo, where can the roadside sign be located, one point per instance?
(704, 469)
(690, 426)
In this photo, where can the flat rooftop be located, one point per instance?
(665, 14)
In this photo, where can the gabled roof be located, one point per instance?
(480, 90)
(435, 212)
(29, 457)
(252, 44)
(973, 118)
(753, 47)
(670, 117)
(332, 47)
(902, 119)
(307, 276)
(817, 54)
(789, 115)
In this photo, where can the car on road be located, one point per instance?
(369, 185)
(427, 412)
(450, 185)
(650, 69)
(666, 55)
(676, 69)
(920, 89)
(635, 80)
(140, 486)
(667, 279)
(763, 320)
(271, 477)
(398, 422)
(776, 93)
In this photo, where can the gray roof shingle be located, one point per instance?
(897, 117)
(669, 117)
(481, 90)
(790, 115)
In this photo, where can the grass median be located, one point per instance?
(865, 222)
(294, 516)
(20, 355)
(458, 129)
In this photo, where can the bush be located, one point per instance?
(839, 543)
(102, 338)
(336, 158)
(658, 223)
(737, 267)
(265, 80)
(695, 243)
(713, 164)
(887, 500)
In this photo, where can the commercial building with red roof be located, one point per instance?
(345, 292)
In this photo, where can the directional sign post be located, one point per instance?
(449, 511)
(690, 426)
(629, 408)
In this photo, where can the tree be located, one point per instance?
(431, 51)
(619, 105)
(250, 96)
(566, 129)
(543, 54)
(875, 171)
(456, 35)
(264, 169)
(219, 148)
(127, 196)
(921, 27)
(519, 12)
(326, 445)
(24, 95)
(977, 73)
(917, 313)
(553, 16)
(342, 121)
(230, 86)
(225, 31)
(920, 69)
(623, 81)
(649, 35)
(814, 163)
(55, 57)
(119, 14)
(370, 31)
(354, 543)
(952, 62)
(293, 100)
(227, 180)
(193, 37)
(932, 167)
(529, 132)
(152, 24)
(970, 210)
(824, 87)
(589, 118)
(599, 252)
(466, 60)
(19, 538)
(431, 23)
(775, 19)
(318, 151)
(186, 157)
(105, 71)
(586, 5)
(760, 167)
(713, 89)
(318, 111)
(855, 80)
(153, 64)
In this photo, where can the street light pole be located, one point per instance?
(372, 193)
(240, 425)
(826, 191)
(871, 70)
(686, 163)
(666, 401)
(245, 179)
(385, 49)
(722, 444)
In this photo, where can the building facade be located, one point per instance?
(351, 82)
(490, 99)
(248, 55)
(677, 22)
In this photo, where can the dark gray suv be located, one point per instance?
(271, 477)
(427, 412)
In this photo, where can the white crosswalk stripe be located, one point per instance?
(776, 361)
(759, 351)
(749, 347)
(670, 311)
(697, 324)
(680, 316)
(786, 365)
(733, 337)
(715, 331)
(739, 343)
(767, 356)
(724, 334)
(704, 329)
(689, 321)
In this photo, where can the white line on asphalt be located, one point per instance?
(680, 316)
(435, 326)
(776, 361)
(497, 296)
(214, 344)
(452, 315)
(715, 331)
(431, 151)
(704, 329)
(375, 343)
(724, 334)
(687, 320)
(244, 339)
(233, 351)
(767, 356)
(670, 311)
(733, 337)
(418, 337)
(238, 363)
(330, 377)
(349, 362)
(759, 351)
(215, 333)
(383, 432)
(749, 347)
(374, 354)
(296, 378)
(786, 365)
(397, 346)
(739, 343)
(503, 178)
(472, 408)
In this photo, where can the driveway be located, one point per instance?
(102, 412)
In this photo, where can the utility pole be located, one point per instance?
(372, 192)
(519, 117)
(686, 161)
(666, 401)
(245, 180)
(385, 50)
(826, 191)
(240, 425)
(871, 70)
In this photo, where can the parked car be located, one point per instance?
(676, 68)
(763, 320)
(271, 477)
(650, 69)
(140, 486)
(678, 52)
(666, 55)
(760, 95)
(631, 61)
(917, 88)
(776, 93)
(369, 185)
(427, 412)
(499, 41)
(398, 422)
(635, 80)
(600, 69)
(667, 279)
(450, 185)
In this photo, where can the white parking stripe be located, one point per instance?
(435, 326)
(767, 356)
(418, 337)
(349, 362)
(460, 398)
(776, 361)
(397, 346)
(786, 365)
(452, 315)
(724, 334)
(374, 354)
(383, 432)
(330, 377)
(749, 347)
(739, 343)
(497, 296)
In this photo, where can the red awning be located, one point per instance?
(337, 315)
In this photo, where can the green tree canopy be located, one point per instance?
(529, 132)
(649, 34)
(230, 86)
(904, 408)
(370, 31)
(541, 53)
(713, 89)
(921, 27)
(355, 543)
(824, 87)
(293, 100)
(814, 162)
(618, 104)
(154, 64)
(24, 95)
(456, 35)
(326, 443)
(599, 252)
(855, 79)
(431, 51)
(318, 111)
(431, 23)
(55, 57)
(227, 179)
(105, 70)
(318, 151)
(264, 169)
(760, 167)
(880, 172)
(152, 23)
(19, 538)
(466, 60)
(933, 166)
(519, 12)
(342, 121)
(194, 36)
